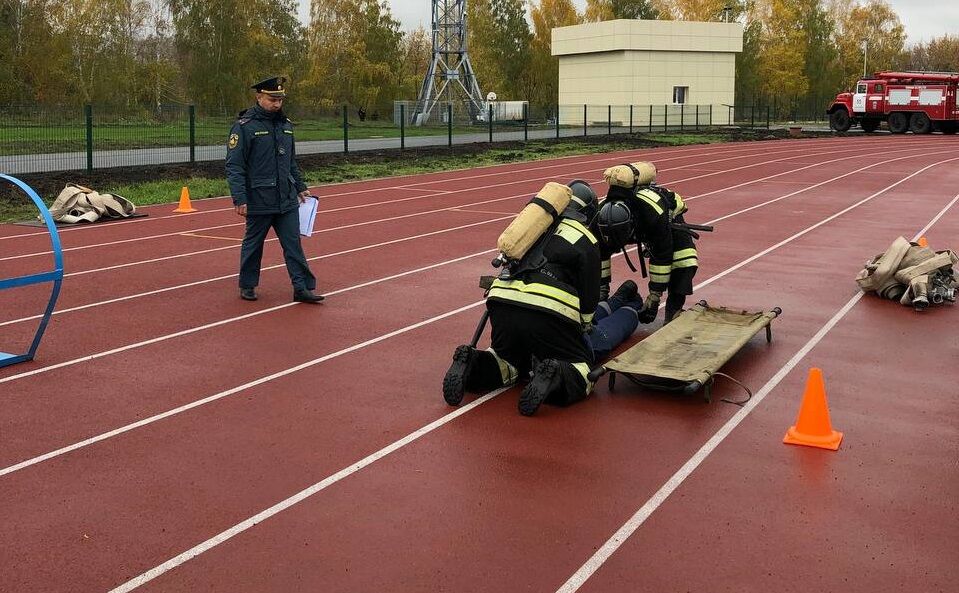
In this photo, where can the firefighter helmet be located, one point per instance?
(615, 224)
(583, 199)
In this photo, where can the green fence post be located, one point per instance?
(584, 121)
(665, 118)
(489, 122)
(630, 119)
(402, 126)
(682, 116)
(711, 115)
(88, 113)
(449, 125)
(650, 119)
(192, 134)
(557, 121)
(767, 117)
(752, 116)
(525, 122)
(346, 131)
(697, 118)
(609, 120)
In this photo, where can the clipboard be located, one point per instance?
(308, 215)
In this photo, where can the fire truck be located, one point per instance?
(917, 101)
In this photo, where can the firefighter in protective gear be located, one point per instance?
(652, 212)
(538, 317)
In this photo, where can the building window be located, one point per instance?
(680, 94)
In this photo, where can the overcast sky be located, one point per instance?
(923, 19)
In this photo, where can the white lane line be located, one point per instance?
(441, 192)
(635, 522)
(303, 494)
(608, 157)
(277, 266)
(612, 544)
(296, 498)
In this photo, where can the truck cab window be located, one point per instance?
(861, 87)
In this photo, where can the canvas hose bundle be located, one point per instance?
(77, 203)
(911, 274)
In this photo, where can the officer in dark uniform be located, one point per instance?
(652, 216)
(267, 188)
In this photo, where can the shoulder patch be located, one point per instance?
(234, 139)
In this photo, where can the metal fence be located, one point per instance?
(36, 139)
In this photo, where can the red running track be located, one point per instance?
(179, 439)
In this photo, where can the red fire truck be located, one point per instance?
(917, 101)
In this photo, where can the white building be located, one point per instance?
(679, 64)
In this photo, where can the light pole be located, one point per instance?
(865, 51)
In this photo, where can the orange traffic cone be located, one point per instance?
(813, 428)
(923, 242)
(185, 201)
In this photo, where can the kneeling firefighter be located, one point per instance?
(541, 306)
(637, 211)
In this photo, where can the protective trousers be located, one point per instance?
(518, 335)
(287, 228)
(614, 321)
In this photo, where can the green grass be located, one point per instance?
(168, 191)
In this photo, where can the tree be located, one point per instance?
(782, 50)
(499, 45)
(226, 45)
(546, 16)
(607, 10)
(705, 10)
(940, 54)
(876, 26)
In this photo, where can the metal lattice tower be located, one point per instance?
(450, 77)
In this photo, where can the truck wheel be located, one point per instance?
(898, 122)
(919, 123)
(869, 125)
(839, 120)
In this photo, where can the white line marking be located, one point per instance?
(277, 266)
(623, 533)
(301, 495)
(611, 545)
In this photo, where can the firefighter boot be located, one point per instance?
(547, 379)
(454, 383)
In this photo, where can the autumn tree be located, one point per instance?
(607, 10)
(547, 15)
(940, 54)
(499, 46)
(875, 27)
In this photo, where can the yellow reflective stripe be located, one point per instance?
(661, 278)
(537, 295)
(287, 131)
(691, 252)
(686, 263)
(658, 269)
(572, 231)
(649, 199)
(607, 265)
(680, 206)
(583, 370)
(588, 318)
(507, 371)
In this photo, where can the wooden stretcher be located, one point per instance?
(686, 354)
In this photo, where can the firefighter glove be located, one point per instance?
(650, 307)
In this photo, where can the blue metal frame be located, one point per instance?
(56, 276)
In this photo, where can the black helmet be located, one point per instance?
(614, 224)
(584, 198)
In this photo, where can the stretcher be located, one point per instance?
(687, 354)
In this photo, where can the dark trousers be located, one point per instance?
(519, 334)
(612, 324)
(287, 229)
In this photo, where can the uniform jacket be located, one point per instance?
(567, 286)
(260, 163)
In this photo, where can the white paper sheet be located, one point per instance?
(308, 215)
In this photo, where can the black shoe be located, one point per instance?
(454, 383)
(248, 294)
(306, 295)
(547, 378)
(627, 291)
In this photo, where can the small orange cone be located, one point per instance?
(923, 242)
(185, 202)
(813, 428)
